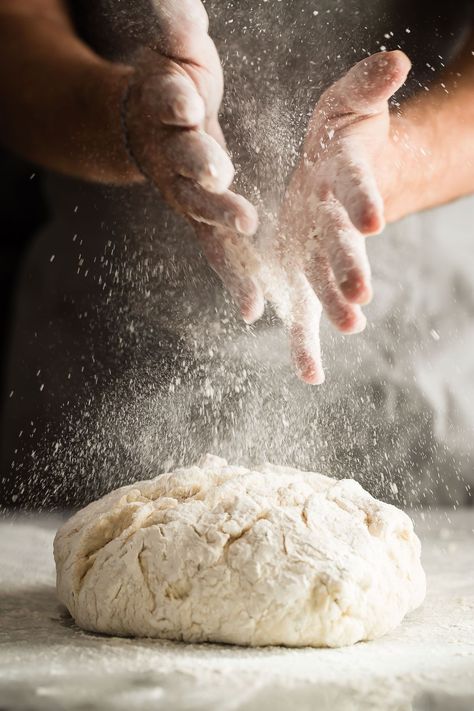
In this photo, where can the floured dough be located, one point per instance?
(272, 556)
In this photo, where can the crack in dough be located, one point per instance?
(219, 553)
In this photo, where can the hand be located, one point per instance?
(337, 195)
(175, 139)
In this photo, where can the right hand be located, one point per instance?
(338, 195)
(176, 140)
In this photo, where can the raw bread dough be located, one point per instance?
(218, 553)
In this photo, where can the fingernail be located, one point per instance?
(240, 225)
(251, 314)
(357, 291)
(208, 179)
(187, 112)
(351, 323)
(245, 226)
(360, 325)
(312, 376)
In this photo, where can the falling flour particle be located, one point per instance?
(219, 553)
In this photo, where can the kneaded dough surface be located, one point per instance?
(219, 553)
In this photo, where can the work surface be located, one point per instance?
(47, 663)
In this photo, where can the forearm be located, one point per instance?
(60, 101)
(435, 143)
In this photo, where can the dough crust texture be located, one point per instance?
(220, 553)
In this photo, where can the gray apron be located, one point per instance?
(128, 358)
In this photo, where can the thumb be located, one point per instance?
(366, 87)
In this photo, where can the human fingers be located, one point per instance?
(305, 319)
(163, 92)
(228, 255)
(197, 156)
(346, 317)
(227, 209)
(182, 27)
(346, 251)
(182, 34)
(366, 87)
(311, 209)
(177, 102)
(353, 183)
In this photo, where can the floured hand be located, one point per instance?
(175, 138)
(337, 195)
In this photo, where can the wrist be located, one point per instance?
(409, 169)
(101, 143)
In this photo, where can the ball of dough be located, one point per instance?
(219, 553)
